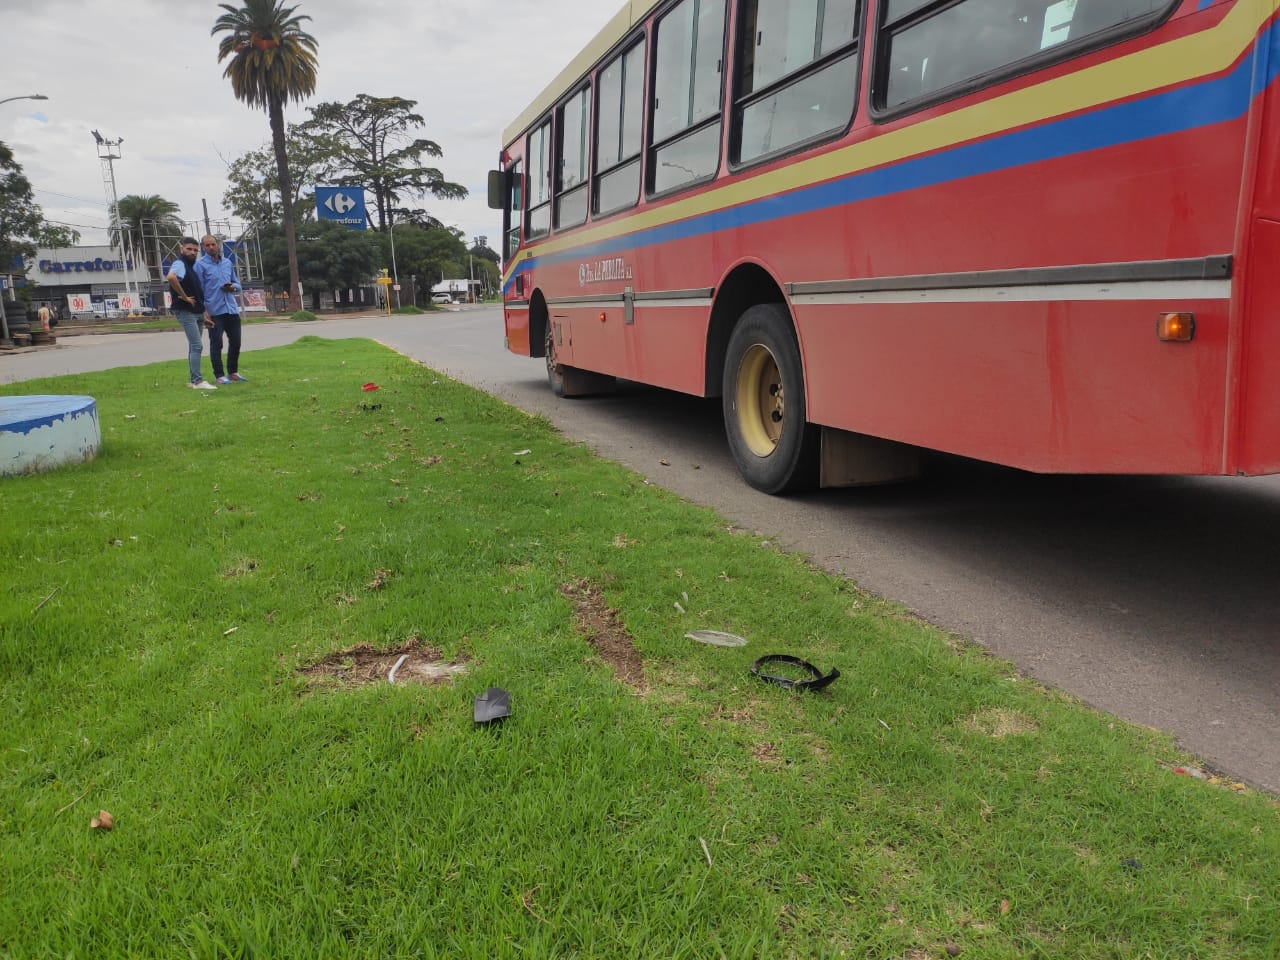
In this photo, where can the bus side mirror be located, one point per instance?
(499, 189)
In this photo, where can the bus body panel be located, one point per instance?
(659, 348)
(1257, 419)
(1025, 384)
(1075, 381)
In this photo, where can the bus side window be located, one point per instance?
(516, 204)
(932, 45)
(687, 85)
(619, 110)
(797, 74)
(539, 156)
(574, 133)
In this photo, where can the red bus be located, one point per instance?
(1042, 233)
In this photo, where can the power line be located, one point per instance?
(86, 226)
(68, 196)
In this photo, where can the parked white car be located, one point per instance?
(441, 298)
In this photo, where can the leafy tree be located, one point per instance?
(484, 264)
(137, 209)
(20, 217)
(430, 253)
(378, 150)
(253, 182)
(330, 256)
(417, 216)
(57, 236)
(272, 61)
(480, 249)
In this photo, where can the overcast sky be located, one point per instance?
(146, 71)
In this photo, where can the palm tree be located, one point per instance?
(160, 214)
(273, 61)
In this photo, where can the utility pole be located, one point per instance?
(5, 341)
(391, 228)
(208, 230)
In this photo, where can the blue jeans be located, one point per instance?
(191, 326)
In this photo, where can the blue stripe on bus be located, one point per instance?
(1204, 4)
(1201, 105)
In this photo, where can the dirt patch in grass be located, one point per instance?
(363, 664)
(601, 628)
(1000, 723)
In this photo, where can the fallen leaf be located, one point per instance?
(1004, 907)
(665, 463)
(103, 821)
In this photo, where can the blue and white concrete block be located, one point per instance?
(39, 433)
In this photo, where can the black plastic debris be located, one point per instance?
(817, 680)
(492, 705)
(1131, 864)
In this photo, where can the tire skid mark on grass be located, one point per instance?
(601, 627)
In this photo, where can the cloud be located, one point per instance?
(147, 72)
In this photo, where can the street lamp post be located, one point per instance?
(391, 229)
(26, 96)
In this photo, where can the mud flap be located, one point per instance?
(856, 459)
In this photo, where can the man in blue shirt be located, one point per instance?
(220, 283)
(188, 304)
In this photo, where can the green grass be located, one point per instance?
(222, 542)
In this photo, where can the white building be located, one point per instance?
(82, 277)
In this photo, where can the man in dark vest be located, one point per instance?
(188, 304)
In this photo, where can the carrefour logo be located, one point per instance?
(96, 265)
(340, 203)
(344, 205)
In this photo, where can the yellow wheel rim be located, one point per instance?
(760, 400)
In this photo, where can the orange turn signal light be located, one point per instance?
(1176, 327)
(602, 316)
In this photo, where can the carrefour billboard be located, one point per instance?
(344, 205)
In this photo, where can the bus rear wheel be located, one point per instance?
(555, 372)
(765, 417)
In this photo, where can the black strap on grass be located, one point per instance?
(817, 683)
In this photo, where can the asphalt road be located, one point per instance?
(1151, 598)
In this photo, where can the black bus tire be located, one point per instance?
(555, 372)
(765, 416)
(567, 382)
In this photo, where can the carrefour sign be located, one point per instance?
(96, 265)
(344, 205)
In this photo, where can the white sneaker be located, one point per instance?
(203, 385)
